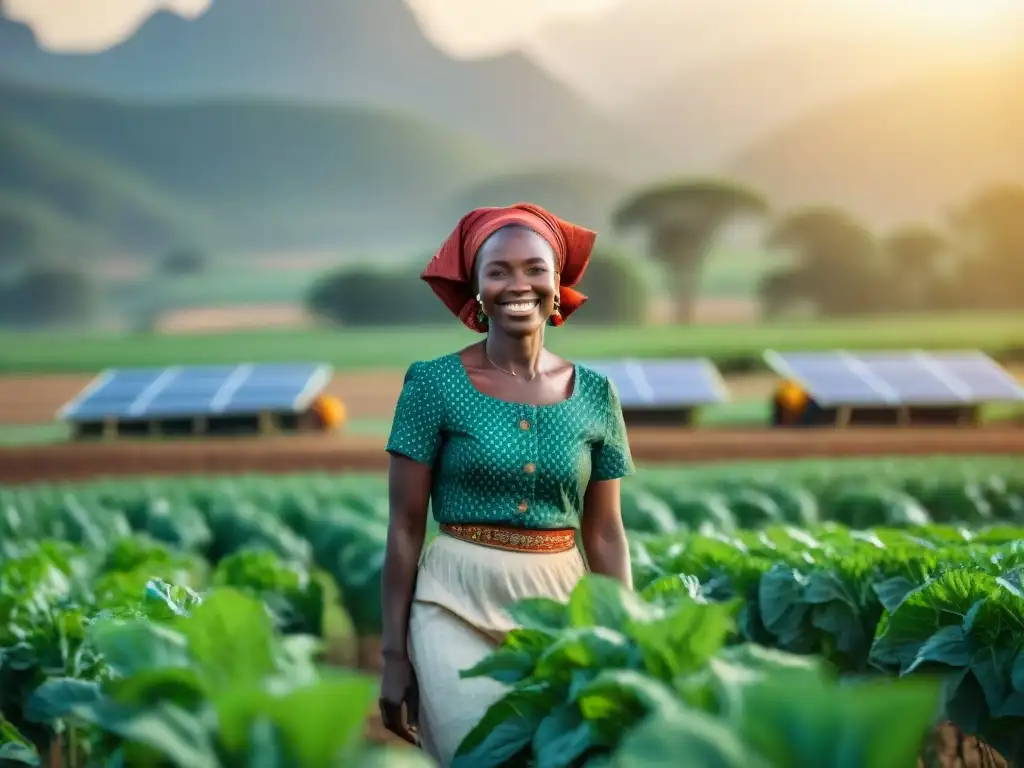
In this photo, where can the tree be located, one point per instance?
(49, 296)
(618, 290)
(681, 219)
(184, 261)
(989, 232)
(837, 268)
(364, 296)
(915, 256)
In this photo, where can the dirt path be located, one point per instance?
(338, 453)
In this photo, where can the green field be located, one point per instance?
(51, 352)
(766, 596)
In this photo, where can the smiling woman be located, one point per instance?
(515, 450)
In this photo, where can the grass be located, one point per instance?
(913, 466)
(68, 352)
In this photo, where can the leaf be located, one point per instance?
(800, 723)
(616, 699)
(313, 722)
(947, 646)
(514, 659)
(561, 738)
(230, 635)
(177, 735)
(604, 602)
(1017, 675)
(15, 753)
(941, 601)
(992, 667)
(583, 648)
(684, 639)
(684, 737)
(172, 685)
(783, 610)
(506, 729)
(892, 591)
(129, 647)
(541, 614)
(59, 698)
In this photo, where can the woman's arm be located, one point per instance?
(408, 498)
(604, 537)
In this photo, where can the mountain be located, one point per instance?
(641, 48)
(709, 114)
(251, 174)
(58, 200)
(336, 51)
(899, 153)
(577, 194)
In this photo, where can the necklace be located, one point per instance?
(503, 370)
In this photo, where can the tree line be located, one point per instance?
(836, 265)
(827, 264)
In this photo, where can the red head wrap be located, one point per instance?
(450, 272)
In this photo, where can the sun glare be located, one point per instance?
(957, 13)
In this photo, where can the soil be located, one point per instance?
(222, 319)
(338, 453)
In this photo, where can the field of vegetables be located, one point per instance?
(803, 615)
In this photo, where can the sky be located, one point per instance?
(464, 27)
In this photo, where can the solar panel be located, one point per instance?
(663, 383)
(897, 378)
(181, 391)
(984, 377)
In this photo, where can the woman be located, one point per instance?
(514, 448)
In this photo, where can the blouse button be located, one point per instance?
(523, 506)
(524, 425)
(528, 468)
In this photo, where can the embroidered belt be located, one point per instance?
(513, 539)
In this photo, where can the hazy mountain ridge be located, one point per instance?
(337, 51)
(902, 152)
(256, 174)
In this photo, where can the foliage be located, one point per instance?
(843, 269)
(49, 296)
(184, 261)
(618, 291)
(363, 296)
(681, 219)
(613, 679)
(838, 266)
(930, 599)
(193, 682)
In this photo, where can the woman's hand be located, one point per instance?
(398, 687)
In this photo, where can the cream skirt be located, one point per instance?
(458, 617)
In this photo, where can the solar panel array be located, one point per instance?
(663, 383)
(897, 378)
(204, 390)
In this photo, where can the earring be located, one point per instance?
(556, 318)
(481, 316)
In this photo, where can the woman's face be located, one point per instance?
(517, 280)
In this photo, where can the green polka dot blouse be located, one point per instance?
(504, 463)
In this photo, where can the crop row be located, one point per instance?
(901, 596)
(782, 647)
